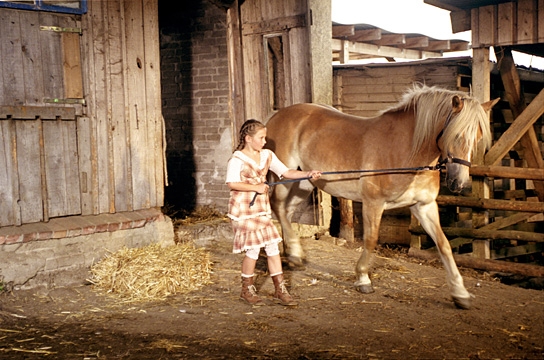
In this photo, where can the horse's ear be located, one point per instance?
(489, 104)
(457, 104)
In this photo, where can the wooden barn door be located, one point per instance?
(275, 55)
(40, 98)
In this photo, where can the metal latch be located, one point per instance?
(64, 101)
(61, 29)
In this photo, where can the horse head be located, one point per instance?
(466, 125)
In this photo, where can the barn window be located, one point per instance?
(60, 6)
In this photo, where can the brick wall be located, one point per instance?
(194, 84)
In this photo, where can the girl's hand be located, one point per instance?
(314, 174)
(261, 188)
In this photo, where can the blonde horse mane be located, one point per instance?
(431, 105)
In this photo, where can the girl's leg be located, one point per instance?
(248, 266)
(249, 292)
(281, 294)
(274, 265)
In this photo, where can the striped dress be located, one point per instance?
(252, 225)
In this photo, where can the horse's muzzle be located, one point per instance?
(454, 185)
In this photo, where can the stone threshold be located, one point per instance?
(71, 226)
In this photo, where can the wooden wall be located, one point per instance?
(80, 120)
(510, 23)
(367, 90)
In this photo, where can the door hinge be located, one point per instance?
(61, 29)
(64, 101)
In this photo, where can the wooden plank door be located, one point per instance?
(276, 56)
(40, 67)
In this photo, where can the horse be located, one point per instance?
(427, 124)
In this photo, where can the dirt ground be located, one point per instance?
(410, 316)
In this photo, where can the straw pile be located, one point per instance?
(152, 272)
(201, 214)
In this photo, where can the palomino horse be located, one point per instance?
(427, 124)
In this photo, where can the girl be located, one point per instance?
(252, 224)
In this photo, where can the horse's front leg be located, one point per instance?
(372, 216)
(427, 214)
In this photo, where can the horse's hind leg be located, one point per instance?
(427, 214)
(372, 216)
(284, 200)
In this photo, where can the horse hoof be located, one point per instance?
(365, 289)
(295, 262)
(462, 303)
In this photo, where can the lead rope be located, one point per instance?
(438, 166)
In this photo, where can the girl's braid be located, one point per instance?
(250, 127)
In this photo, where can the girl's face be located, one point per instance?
(257, 141)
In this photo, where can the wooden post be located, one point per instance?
(346, 219)
(416, 239)
(480, 188)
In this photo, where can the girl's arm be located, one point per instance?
(297, 174)
(240, 186)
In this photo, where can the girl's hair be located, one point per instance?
(250, 127)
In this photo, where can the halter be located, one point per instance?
(450, 158)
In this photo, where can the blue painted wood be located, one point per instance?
(40, 6)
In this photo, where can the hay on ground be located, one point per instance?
(152, 272)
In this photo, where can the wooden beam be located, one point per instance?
(460, 21)
(520, 250)
(391, 39)
(512, 135)
(32, 112)
(366, 35)
(275, 25)
(479, 203)
(417, 42)
(507, 172)
(459, 45)
(346, 219)
(236, 71)
(481, 89)
(382, 51)
(508, 221)
(484, 264)
(486, 234)
(344, 52)
(339, 31)
(439, 45)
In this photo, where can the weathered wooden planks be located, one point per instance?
(365, 91)
(65, 159)
(510, 23)
(286, 23)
